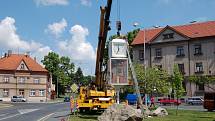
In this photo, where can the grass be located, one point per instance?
(183, 115)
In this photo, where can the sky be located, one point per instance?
(70, 27)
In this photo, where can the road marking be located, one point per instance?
(4, 114)
(9, 116)
(23, 111)
(45, 117)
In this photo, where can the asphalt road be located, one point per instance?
(185, 107)
(35, 112)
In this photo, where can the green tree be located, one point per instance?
(131, 35)
(78, 77)
(62, 70)
(154, 80)
(177, 83)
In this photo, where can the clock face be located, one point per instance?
(119, 49)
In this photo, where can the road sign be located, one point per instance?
(74, 87)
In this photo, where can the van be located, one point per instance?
(209, 101)
(195, 100)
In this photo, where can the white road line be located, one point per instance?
(9, 116)
(45, 117)
(4, 114)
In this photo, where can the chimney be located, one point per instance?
(9, 52)
(5, 55)
(27, 54)
(35, 58)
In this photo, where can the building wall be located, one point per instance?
(169, 49)
(14, 86)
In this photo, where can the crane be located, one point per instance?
(98, 95)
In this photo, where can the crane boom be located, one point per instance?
(103, 31)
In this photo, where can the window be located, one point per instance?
(141, 54)
(6, 79)
(197, 49)
(158, 53)
(22, 80)
(168, 36)
(199, 67)
(180, 51)
(36, 81)
(181, 68)
(5, 92)
(201, 87)
(32, 92)
(159, 67)
(21, 92)
(41, 92)
(22, 66)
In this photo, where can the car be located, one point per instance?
(1, 99)
(18, 99)
(66, 99)
(195, 100)
(166, 101)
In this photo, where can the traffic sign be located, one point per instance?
(74, 87)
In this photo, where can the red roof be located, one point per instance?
(13, 61)
(195, 30)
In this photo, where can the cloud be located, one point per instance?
(78, 48)
(57, 28)
(9, 39)
(51, 2)
(86, 2)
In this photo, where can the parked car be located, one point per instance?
(66, 99)
(1, 99)
(195, 100)
(18, 99)
(166, 101)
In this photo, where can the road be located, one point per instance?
(35, 112)
(185, 107)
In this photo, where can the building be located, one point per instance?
(191, 47)
(22, 75)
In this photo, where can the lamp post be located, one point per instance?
(136, 24)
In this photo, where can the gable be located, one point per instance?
(22, 66)
(168, 35)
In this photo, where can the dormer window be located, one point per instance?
(22, 67)
(168, 36)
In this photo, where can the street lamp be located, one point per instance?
(136, 24)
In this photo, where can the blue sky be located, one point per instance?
(70, 27)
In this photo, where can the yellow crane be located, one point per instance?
(99, 95)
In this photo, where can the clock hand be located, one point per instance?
(117, 50)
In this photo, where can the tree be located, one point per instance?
(61, 68)
(131, 35)
(177, 83)
(79, 76)
(154, 80)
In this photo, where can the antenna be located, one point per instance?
(118, 22)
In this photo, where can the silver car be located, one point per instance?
(195, 100)
(18, 99)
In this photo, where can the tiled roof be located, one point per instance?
(13, 61)
(195, 30)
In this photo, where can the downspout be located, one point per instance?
(189, 67)
(150, 56)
